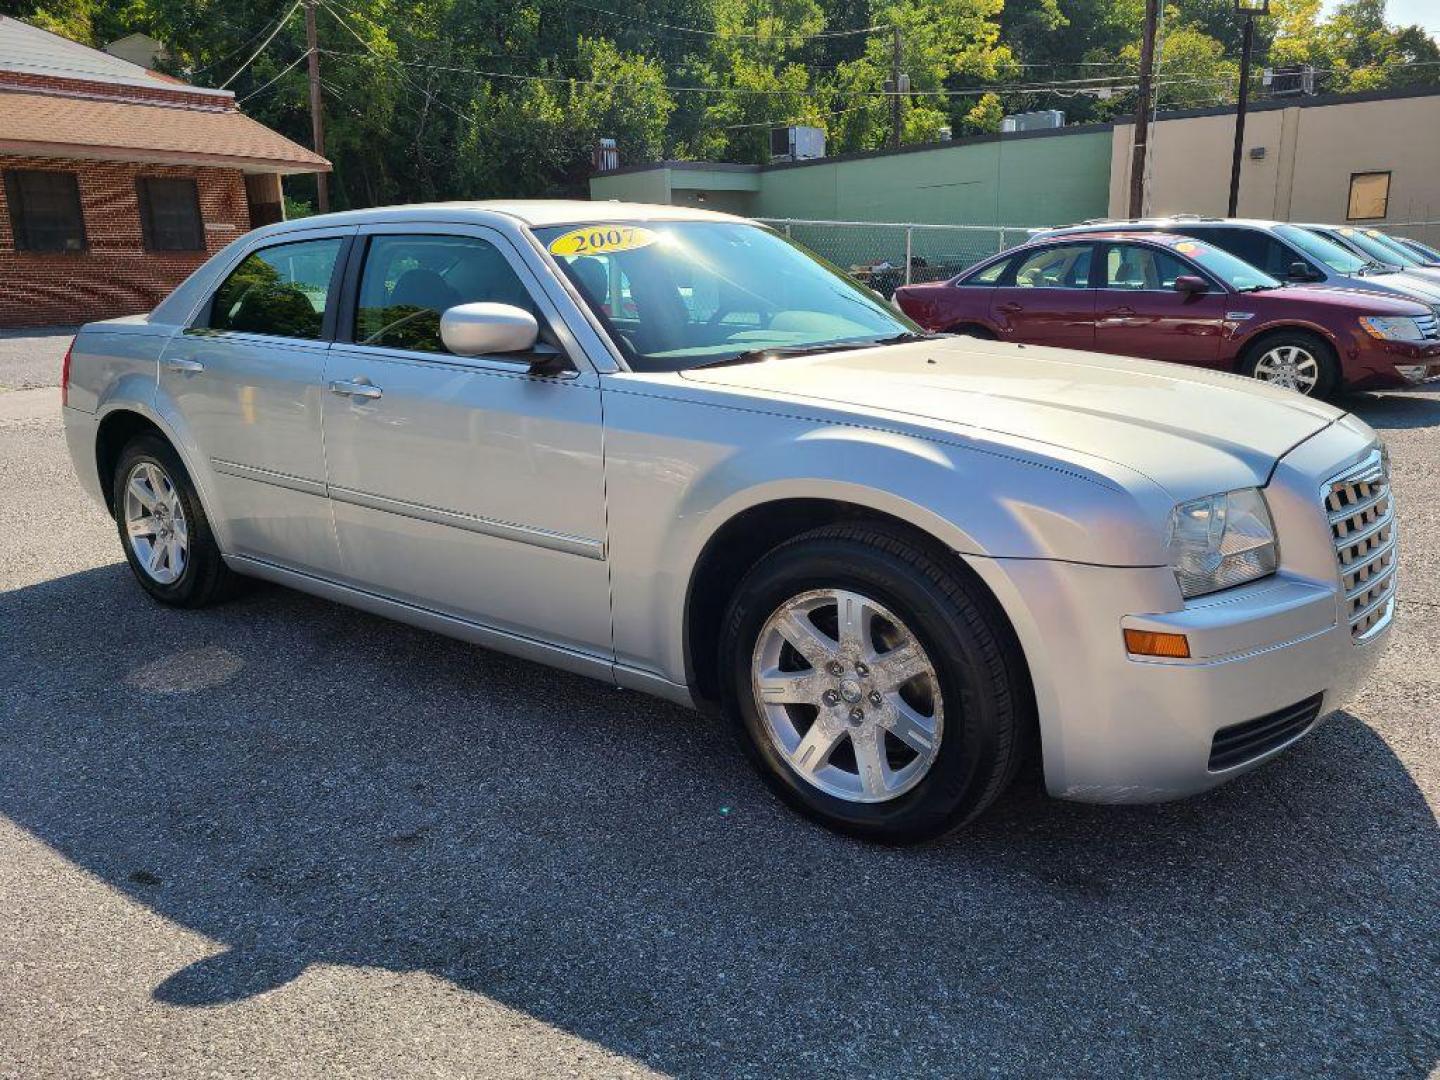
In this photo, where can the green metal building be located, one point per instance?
(1022, 178)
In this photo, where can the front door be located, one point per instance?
(463, 485)
(1139, 312)
(246, 380)
(1045, 299)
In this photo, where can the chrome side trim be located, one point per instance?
(504, 530)
(267, 476)
(568, 659)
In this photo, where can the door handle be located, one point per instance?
(179, 364)
(355, 389)
(1011, 309)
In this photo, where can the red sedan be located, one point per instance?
(1167, 297)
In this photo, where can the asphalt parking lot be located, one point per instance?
(283, 838)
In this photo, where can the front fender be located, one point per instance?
(678, 472)
(1248, 334)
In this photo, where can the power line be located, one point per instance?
(283, 72)
(704, 32)
(263, 45)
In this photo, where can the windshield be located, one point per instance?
(1374, 249)
(680, 294)
(1381, 246)
(1236, 273)
(1425, 250)
(1322, 250)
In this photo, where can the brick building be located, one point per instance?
(119, 181)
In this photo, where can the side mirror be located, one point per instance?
(1190, 284)
(482, 329)
(1300, 271)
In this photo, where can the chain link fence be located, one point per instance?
(886, 255)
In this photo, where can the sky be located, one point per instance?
(1407, 12)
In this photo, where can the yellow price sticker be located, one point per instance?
(602, 240)
(1187, 248)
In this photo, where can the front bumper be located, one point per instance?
(1117, 728)
(1380, 365)
(1124, 729)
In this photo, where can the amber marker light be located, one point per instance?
(1153, 643)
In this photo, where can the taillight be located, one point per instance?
(65, 374)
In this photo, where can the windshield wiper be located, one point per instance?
(1373, 267)
(755, 356)
(907, 337)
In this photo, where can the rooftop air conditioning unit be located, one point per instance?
(796, 143)
(1033, 121)
(1293, 81)
(607, 157)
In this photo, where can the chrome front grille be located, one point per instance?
(1362, 524)
(1429, 327)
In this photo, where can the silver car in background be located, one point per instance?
(670, 450)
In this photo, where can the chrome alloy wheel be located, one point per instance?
(1289, 366)
(847, 695)
(155, 522)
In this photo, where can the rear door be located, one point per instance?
(1045, 297)
(246, 377)
(1141, 313)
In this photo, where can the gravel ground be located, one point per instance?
(282, 838)
(31, 358)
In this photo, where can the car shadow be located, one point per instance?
(309, 785)
(1384, 411)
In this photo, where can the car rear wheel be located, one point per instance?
(877, 689)
(163, 528)
(1296, 361)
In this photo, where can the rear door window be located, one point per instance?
(990, 275)
(281, 291)
(408, 282)
(1063, 267)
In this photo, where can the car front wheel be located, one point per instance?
(1297, 361)
(876, 686)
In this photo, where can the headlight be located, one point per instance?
(1392, 327)
(1220, 541)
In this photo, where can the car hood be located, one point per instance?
(1361, 301)
(1193, 432)
(1400, 282)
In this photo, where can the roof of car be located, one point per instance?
(1167, 239)
(1167, 222)
(533, 212)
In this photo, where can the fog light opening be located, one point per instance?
(1155, 643)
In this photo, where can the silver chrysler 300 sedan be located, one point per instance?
(668, 449)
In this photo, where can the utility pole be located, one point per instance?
(1141, 145)
(894, 86)
(1246, 48)
(317, 117)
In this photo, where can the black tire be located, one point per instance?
(205, 578)
(1330, 378)
(989, 711)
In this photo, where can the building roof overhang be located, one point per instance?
(45, 125)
